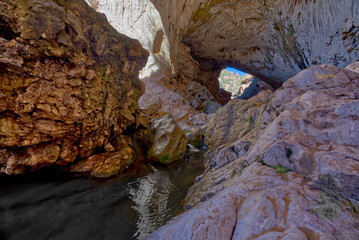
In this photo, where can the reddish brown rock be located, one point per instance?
(106, 164)
(69, 82)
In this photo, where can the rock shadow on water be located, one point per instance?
(56, 205)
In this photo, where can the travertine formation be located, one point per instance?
(272, 40)
(185, 87)
(284, 165)
(69, 83)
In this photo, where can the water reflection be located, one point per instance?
(59, 206)
(151, 197)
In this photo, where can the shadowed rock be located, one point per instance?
(69, 83)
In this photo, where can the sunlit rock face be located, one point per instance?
(283, 165)
(167, 76)
(69, 83)
(272, 40)
(140, 20)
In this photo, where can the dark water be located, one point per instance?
(53, 205)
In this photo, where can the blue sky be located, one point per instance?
(236, 71)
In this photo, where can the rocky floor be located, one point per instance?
(284, 165)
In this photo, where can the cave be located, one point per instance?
(5, 29)
(231, 79)
(138, 138)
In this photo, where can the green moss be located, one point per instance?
(290, 29)
(276, 27)
(250, 120)
(328, 205)
(279, 169)
(164, 159)
(260, 160)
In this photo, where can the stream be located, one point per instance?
(55, 206)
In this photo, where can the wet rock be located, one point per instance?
(69, 82)
(106, 164)
(169, 143)
(195, 137)
(260, 203)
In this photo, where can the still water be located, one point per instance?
(52, 205)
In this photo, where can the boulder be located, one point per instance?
(107, 164)
(169, 143)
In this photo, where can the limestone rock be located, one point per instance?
(294, 175)
(164, 72)
(169, 143)
(236, 119)
(69, 82)
(272, 40)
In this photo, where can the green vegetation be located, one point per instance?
(279, 169)
(328, 205)
(260, 160)
(164, 159)
(250, 120)
(230, 81)
(244, 165)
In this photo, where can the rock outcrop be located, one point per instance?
(69, 83)
(169, 143)
(288, 168)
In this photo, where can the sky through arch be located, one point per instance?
(240, 73)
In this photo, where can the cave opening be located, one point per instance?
(5, 29)
(240, 84)
(233, 80)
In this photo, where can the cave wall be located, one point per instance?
(69, 83)
(168, 78)
(272, 39)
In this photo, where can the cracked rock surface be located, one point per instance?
(287, 169)
(69, 83)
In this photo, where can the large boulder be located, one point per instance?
(290, 174)
(69, 83)
(169, 143)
